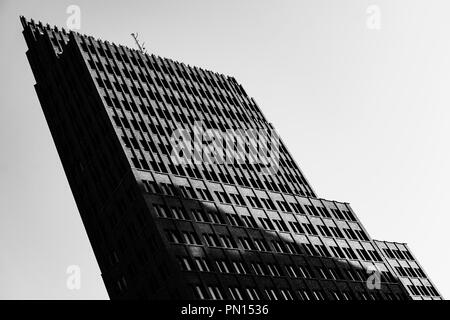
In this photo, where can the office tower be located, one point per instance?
(169, 218)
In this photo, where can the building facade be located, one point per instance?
(408, 270)
(189, 224)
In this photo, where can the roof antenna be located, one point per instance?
(139, 45)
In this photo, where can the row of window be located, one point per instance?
(252, 293)
(200, 264)
(262, 245)
(398, 254)
(163, 75)
(189, 192)
(410, 272)
(427, 291)
(157, 94)
(213, 216)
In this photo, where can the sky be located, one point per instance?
(360, 99)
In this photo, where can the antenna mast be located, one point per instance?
(139, 45)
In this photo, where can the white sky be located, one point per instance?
(365, 114)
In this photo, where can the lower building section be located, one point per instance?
(408, 270)
(312, 249)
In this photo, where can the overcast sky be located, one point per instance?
(364, 111)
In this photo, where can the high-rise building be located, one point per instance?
(185, 189)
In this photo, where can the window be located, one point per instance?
(202, 264)
(215, 293)
(211, 239)
(246, 243)
(223, 267)
(348, 215)
(185, 264)
(254, 202)
(261, 245)
(222, 196)
(324, 212)
(235, 293)
(173, 236)
(271, 294)
(214, 216)
(322, 250)
(350, 234)
(273, 270)
(388, 253)
(284, 206)
(295, 226)
(258, 269)
(318, 295)
(323, 273)
(374, 255)
(252, 293)
(239, 267)
(336, 295)
(305, 272)
(198, 215)
(286, 294)
(267, 224)
(249, 221)
(408, 255)
(277, 245)
(363, 254)
(414, 290)
(204, 194)
(345, 295)
(309, 228)
(350, 253)
(297, 207)
(337, 252)
(304, 295)
(268, 204)
(324, 230)
(187, 192)
(291, 271)
(332, 274)
(198, 292)
(361, 235)
(237, 199)
(179, 213)
(190, 238)
(280, 225)
(312, 211)
(336, 232)
(233, 219)
(227, 241)
(161, 211)
(167, 189)
(122, 284)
